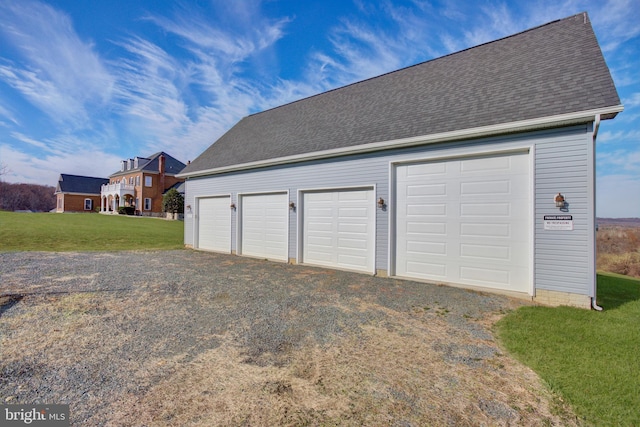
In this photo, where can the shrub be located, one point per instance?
(126, 210)
(172, 201)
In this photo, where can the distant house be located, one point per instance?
(140, 183)
(448, 171)
(77, 193)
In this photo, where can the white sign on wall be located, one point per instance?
(558, 222)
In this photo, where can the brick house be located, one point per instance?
(141, 182)
(75, 193)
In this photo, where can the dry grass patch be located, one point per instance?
(209, 340)
(618, 250)
(405, 371)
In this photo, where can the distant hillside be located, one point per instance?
(625, 222)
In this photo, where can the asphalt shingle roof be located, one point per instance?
(150, 164)
(552, 69)
(80, 184)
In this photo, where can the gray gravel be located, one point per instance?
(194, 297)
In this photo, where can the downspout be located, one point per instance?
(596, 126)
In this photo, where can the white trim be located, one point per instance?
(391, 206)
(532, 220)
(300, 218)
(78, 194)
(591, 203)
(471, 133)
(527, 148)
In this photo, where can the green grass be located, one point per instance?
(86, 232)
(591, 359)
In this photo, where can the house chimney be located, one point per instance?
(161, 171)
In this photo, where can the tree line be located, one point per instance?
(33, 197)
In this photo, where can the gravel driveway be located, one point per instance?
(190, 338)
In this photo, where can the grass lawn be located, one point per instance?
(591, 359)
(86, 232)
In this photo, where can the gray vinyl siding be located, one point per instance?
(346, 173)
(564, 259)
(562, 164)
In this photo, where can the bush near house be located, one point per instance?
(589, 358)
(173, 202)
(78, 232)
(127, 210)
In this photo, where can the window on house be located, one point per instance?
(138, 180)
(131, 181)
(59, 202)
(138, 203)
(148, 181)
(88, 204)
(147, 204)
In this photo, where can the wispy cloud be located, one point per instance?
(619, 161)
(45, 170)
(7, 114)
(58, 72)
(620, 136)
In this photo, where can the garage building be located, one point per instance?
(475, 169)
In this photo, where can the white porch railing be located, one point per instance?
(117, 188)
(113, 195)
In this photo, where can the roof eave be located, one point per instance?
(559, 120)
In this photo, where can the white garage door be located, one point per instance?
(465, 221)
(214, 224)
(265, 226)
(339, 229)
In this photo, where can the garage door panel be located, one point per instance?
(431, 248)
(341, 233)
(475, 229)
(494, 277)
(485, 164)
(485, 230)
(426, 228)
(433, 270)
(214, 224)
(425, 169)
(485, 252)
(353, 262)
(422, 209)
(485, 209)
(494, 189)
(264, 231)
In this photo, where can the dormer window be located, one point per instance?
(129, 164)
(122, 166)
(135, 163)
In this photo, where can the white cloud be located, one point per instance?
(58, 73)
(618, 161)
(633, 100)
(4, 111)
(619, 136)
(45, 170)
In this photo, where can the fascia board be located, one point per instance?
(567, 119)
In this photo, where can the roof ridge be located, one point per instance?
(421, 63)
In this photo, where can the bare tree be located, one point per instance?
(4, 169)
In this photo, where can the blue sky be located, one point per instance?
(84, 84)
